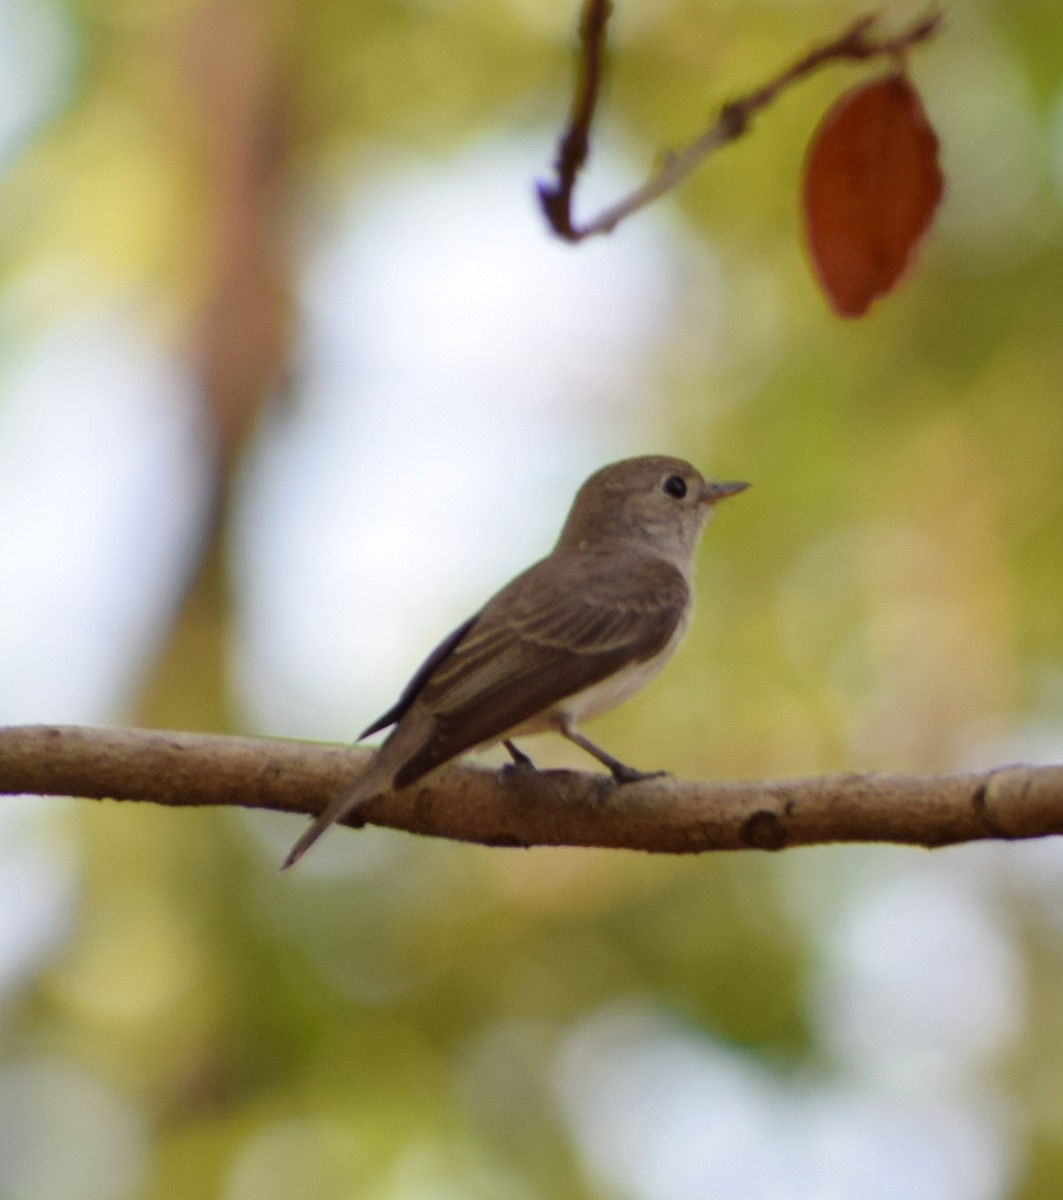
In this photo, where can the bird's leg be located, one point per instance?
(520, 759)
(619, 771)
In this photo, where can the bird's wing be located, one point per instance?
(546, 636)
(424, 671)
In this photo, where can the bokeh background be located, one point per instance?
(291, 377)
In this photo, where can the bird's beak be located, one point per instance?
(711, 492)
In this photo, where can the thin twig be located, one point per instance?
(528, 808)
(732, 120)
(575, 142)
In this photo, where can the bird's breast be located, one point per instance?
(618, 687)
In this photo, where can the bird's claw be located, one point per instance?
(625, 774)
(511, 771)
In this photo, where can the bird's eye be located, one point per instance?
(675, 485)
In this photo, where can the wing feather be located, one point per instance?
(411, 691)
(547, 636)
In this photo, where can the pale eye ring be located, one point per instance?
(675, 486)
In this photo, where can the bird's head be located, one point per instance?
(653, 502)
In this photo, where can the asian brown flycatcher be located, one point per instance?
(570, 637)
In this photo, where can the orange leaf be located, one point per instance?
(871, 186)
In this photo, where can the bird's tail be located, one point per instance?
(377, 779)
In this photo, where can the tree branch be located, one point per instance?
(526, 808)
(733, 119)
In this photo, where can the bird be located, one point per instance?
(574, 635)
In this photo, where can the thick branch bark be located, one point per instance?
(527, 808)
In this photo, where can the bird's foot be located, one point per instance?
(520, 765)
(512, 771)
(624, 774)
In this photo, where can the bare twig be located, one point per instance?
(574, 146)
(733, 119)
(525, 808)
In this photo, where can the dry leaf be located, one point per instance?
(871, 185)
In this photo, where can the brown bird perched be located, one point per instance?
(570, 637)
